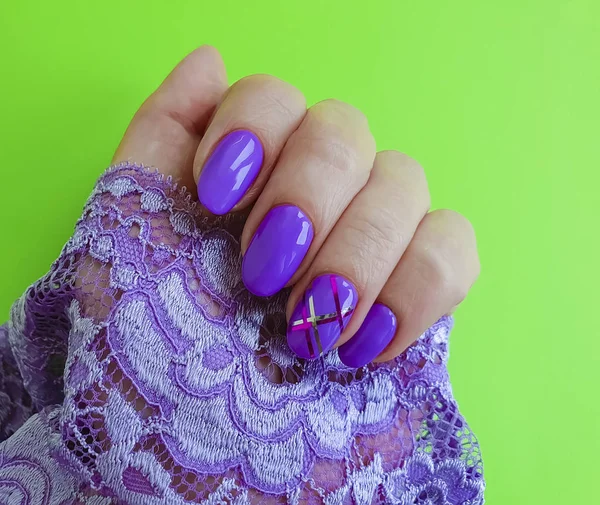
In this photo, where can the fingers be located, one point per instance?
(244, 139)
(166, 130)
(433, 276)
(333, 297)
(372, 270)
(324, 164)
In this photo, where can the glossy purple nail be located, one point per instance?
(321, 315)
(229, 171)
(376, 332)
(276, 250)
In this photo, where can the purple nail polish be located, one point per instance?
(276, 250)
(376, 332)
(321, 315)
(229, 171)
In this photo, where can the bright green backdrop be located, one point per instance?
(498, 100)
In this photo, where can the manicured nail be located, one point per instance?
(276, 250)
(376, 332)
(229, 171)
(321, 315)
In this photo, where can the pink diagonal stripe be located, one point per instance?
(336, 297)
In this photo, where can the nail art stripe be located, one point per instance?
(312, 320)
(336, 297)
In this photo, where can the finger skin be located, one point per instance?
(366, 243)
(434, 276)
(166, 130)
(324, 164)
(267, 110)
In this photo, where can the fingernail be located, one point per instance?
(321, 315)
(229, 171)
(376, 332)
(276, 250)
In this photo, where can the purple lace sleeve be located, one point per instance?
(151, 376)
(15, 402)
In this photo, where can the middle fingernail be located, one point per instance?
(321, 315)
(276, 250)
(229, 171)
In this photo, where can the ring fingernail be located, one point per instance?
(229, 171)
(321, 315)
(376, 332)
(276, 250)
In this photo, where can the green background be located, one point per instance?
(498, 100)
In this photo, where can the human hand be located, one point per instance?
(325, 211)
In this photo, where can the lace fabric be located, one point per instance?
(150, 375)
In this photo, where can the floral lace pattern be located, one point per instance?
(157, 378)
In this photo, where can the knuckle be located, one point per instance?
(328, 150)
(336, 155)
(260, 82)
(457, 236)
(437, 272)
(396, 159)
(272, 92)
(450, 231)
(456, 220)
(449, 259)
(340, 112)
(337, 135)
(403, 171)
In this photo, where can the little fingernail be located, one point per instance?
(229, 171)
(376, 332)
(321, 316)
(276, 250)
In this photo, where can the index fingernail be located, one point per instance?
(229, 171)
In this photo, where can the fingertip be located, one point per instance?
(167, 128)
(207, 54)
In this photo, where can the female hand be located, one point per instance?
(348, 227)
